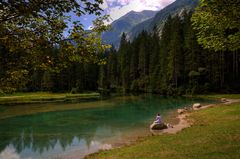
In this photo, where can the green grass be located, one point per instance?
(214, 135)
(219, 96)
(9, 104)
(37, 97)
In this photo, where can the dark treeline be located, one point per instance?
(172, 64)
(50, 76)
(75, 78)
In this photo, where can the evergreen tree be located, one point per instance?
(154, 59)
(162, 67)
(124, 61)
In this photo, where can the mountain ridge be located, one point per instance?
(134, 23)
(159, 19)
(125, 24)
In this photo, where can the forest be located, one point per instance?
(173, 63)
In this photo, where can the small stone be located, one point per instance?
(169, 125)
(181, 111)
(197, 105)
(224, 100)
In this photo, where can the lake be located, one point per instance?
(62, 130)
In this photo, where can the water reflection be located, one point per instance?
(81, 131)
(9, 153)
(45, 142)
(78, 148)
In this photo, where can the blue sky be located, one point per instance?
(118, 8)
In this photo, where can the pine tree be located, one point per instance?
(124, 62)
(154, 59)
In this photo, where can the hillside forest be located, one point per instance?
(174, 64)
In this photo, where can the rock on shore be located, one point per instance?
(196, 106)
(156, 126)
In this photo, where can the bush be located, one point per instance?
(1, 92)
(180, 90)
(8, 90)
(74, 91)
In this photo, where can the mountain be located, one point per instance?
(158, 20)
(134, 23)
(125, 24)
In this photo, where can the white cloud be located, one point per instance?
(118, 8)
(123, 2)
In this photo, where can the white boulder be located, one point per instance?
(196, 105)
(224, 100)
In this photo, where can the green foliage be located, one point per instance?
(135, 86)
(31, 31)
(194, 74)
(47, 82)
(217, 24)
(14, 79)
(86, 46)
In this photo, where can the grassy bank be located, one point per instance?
(219, 96)
(214, 135)
(39, 97)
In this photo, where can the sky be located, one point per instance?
(118, 8)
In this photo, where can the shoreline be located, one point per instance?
(46, 97)
(184, 122)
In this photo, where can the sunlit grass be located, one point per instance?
(216, 96)
(42, 96)
(9, 104)
(219, 96)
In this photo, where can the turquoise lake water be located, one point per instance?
(78, 132)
